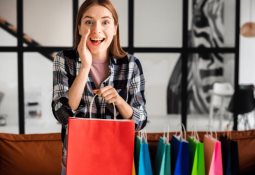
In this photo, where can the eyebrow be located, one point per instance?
(104, 17)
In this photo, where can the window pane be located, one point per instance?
(158, 24)
(122, 10)
(158, 71)
(8, 93)
(212, 24)
(203, 74)
(8, 23)
(49, 22)
(229, 20)
(38, 94)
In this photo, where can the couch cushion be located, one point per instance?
(30, 154)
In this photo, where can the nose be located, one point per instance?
(96, 28)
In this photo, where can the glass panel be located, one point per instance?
(158, 24)
(212, 23)
(48, 25)
(38, 94)
(122, 10)
(246, 59)
(8, 23)
(8, 93)
(230, 23)
(160, 74)
(210, 84)
(247, 51)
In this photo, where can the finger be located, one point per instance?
(96, 91)
(112, 97)
(109, 97)
(108, 91)
(106, 88)
(84, 38)
(86, 35)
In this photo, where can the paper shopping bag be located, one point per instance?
(180, 156)
(213, 156)
(137, 153)
(162, 164)
(133, 169)
(100, 146)
(197, 157)
(167, 166)
(230, 159)
(160, 156)
(144, 159)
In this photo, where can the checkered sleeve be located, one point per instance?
(60, 107)
(136, 96)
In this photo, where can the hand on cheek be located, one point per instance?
(84, 53)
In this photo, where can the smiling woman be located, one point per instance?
(98, 23)
(97, 66)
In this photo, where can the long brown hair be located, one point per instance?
(115, 48)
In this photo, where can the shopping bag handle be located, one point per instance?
(90, 108)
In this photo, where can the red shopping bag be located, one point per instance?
(97, 147)
(100, 146)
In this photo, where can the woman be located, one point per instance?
(97, 65)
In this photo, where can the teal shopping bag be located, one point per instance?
(160, 156)
(167, 165)
(162, 163)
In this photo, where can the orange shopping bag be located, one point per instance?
(100, 146)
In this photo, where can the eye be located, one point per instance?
(89, 22)
(105, 22)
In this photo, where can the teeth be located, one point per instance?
(97, 39)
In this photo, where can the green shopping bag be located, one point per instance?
(138, 143)
(197, 157)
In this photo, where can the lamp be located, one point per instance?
(248, 28)
(242, 102)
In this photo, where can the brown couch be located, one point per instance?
(30, 154)
(40, 154)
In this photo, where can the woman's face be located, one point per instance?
(102, 29)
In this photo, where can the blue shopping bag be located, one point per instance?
(143, 160)
(180, 156)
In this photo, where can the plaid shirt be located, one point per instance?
(125, 75)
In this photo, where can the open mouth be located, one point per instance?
(97, 41)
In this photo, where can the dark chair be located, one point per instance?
(242, 103)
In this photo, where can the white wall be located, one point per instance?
(247, 47)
